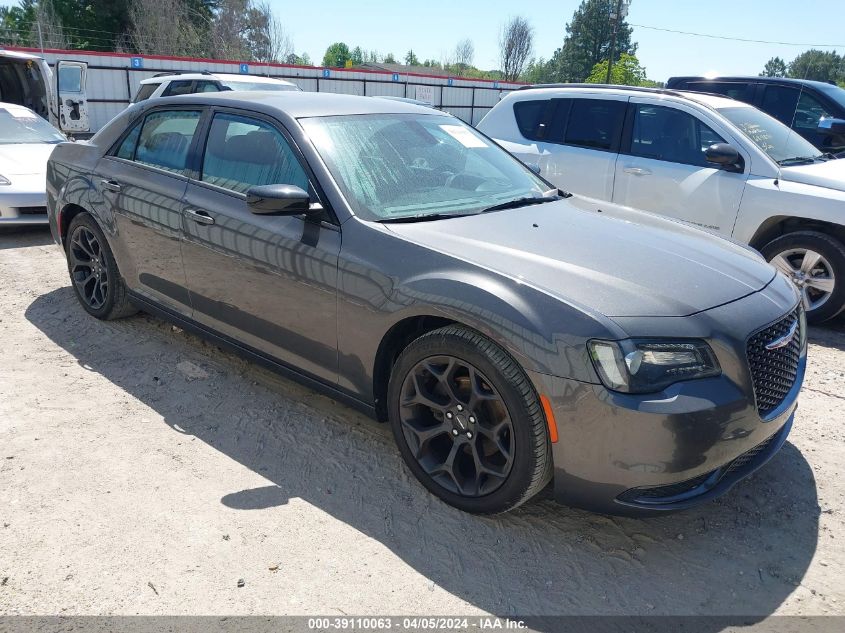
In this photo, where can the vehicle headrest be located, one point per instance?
(258, 147)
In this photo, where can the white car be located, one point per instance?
(176, 83)
(26, 142)
(720, 164)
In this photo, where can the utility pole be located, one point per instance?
(620, 13)
(40, 36)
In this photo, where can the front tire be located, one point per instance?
(815, 262)
(93, 271)
(468, 422)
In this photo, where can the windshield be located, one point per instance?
(20, 125)
(833, 92)
(770, 135)
(258, 85)
(392, 166)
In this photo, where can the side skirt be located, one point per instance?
(253, 355)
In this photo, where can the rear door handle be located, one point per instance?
(111, 185)
(637, 171)
(199, 216)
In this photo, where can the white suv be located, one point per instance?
(720, 164)
(176, 83)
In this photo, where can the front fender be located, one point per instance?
(383, 281)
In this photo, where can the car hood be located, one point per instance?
(606, 258)
(24, 158)
(830, 174)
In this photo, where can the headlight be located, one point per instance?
(648, 365)
(4, 181)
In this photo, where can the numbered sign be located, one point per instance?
(449, 81)
(326, 73)
(244, 69)
(395, 76)
(137, 62)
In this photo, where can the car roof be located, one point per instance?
(546, 90)
(300, 104)
(757, 79)
(15, 106)
(17, 55)
(161, 78)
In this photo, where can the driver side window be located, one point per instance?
(672, 135)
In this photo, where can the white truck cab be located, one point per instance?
(59, 97)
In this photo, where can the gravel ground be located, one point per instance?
(145, 471)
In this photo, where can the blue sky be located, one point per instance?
(433, 27)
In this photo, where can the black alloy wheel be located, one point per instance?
(468, 421)
(457, 426)
(88, 271)
(93, 271)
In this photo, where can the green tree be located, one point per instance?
(818, 65)
(336, 55)
(775, 67)
(16, 23)
(587, 41)
(389, 59)
(357, 56)
(538, 71)
(626, 71)
(94, 24)
(411, 59)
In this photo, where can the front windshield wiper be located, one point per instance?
(800, 160)
(520, 202)
(425, 217)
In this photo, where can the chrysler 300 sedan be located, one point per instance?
(396, 258)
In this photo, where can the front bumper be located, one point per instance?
(21, 208)
(640, 454)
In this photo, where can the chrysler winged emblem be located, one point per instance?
(784, 340)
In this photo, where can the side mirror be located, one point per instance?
(724, 156)
(277, 200)
(831, 126)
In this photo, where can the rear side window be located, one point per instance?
(732, 89)
(176, 88)
(206, 86)
(127, 147)
(529, 115)
(165, 139)
(780, 102)
(595, 123)
(242, 152)
(145, 92)
(672, 135)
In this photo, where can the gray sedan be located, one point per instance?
(399, 260)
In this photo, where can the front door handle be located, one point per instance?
(637, 171)
(111, 185)
(199, 216)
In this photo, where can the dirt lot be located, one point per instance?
(144, 471)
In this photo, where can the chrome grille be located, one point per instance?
(774, 369)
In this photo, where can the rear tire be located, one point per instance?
(815, 262)
(468, 422)
(93, 271)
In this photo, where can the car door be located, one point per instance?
(269, 282)
(661, 167)
(139, 187)
(70, 92)
(581, 143)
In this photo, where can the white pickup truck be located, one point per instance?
(59, 97)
